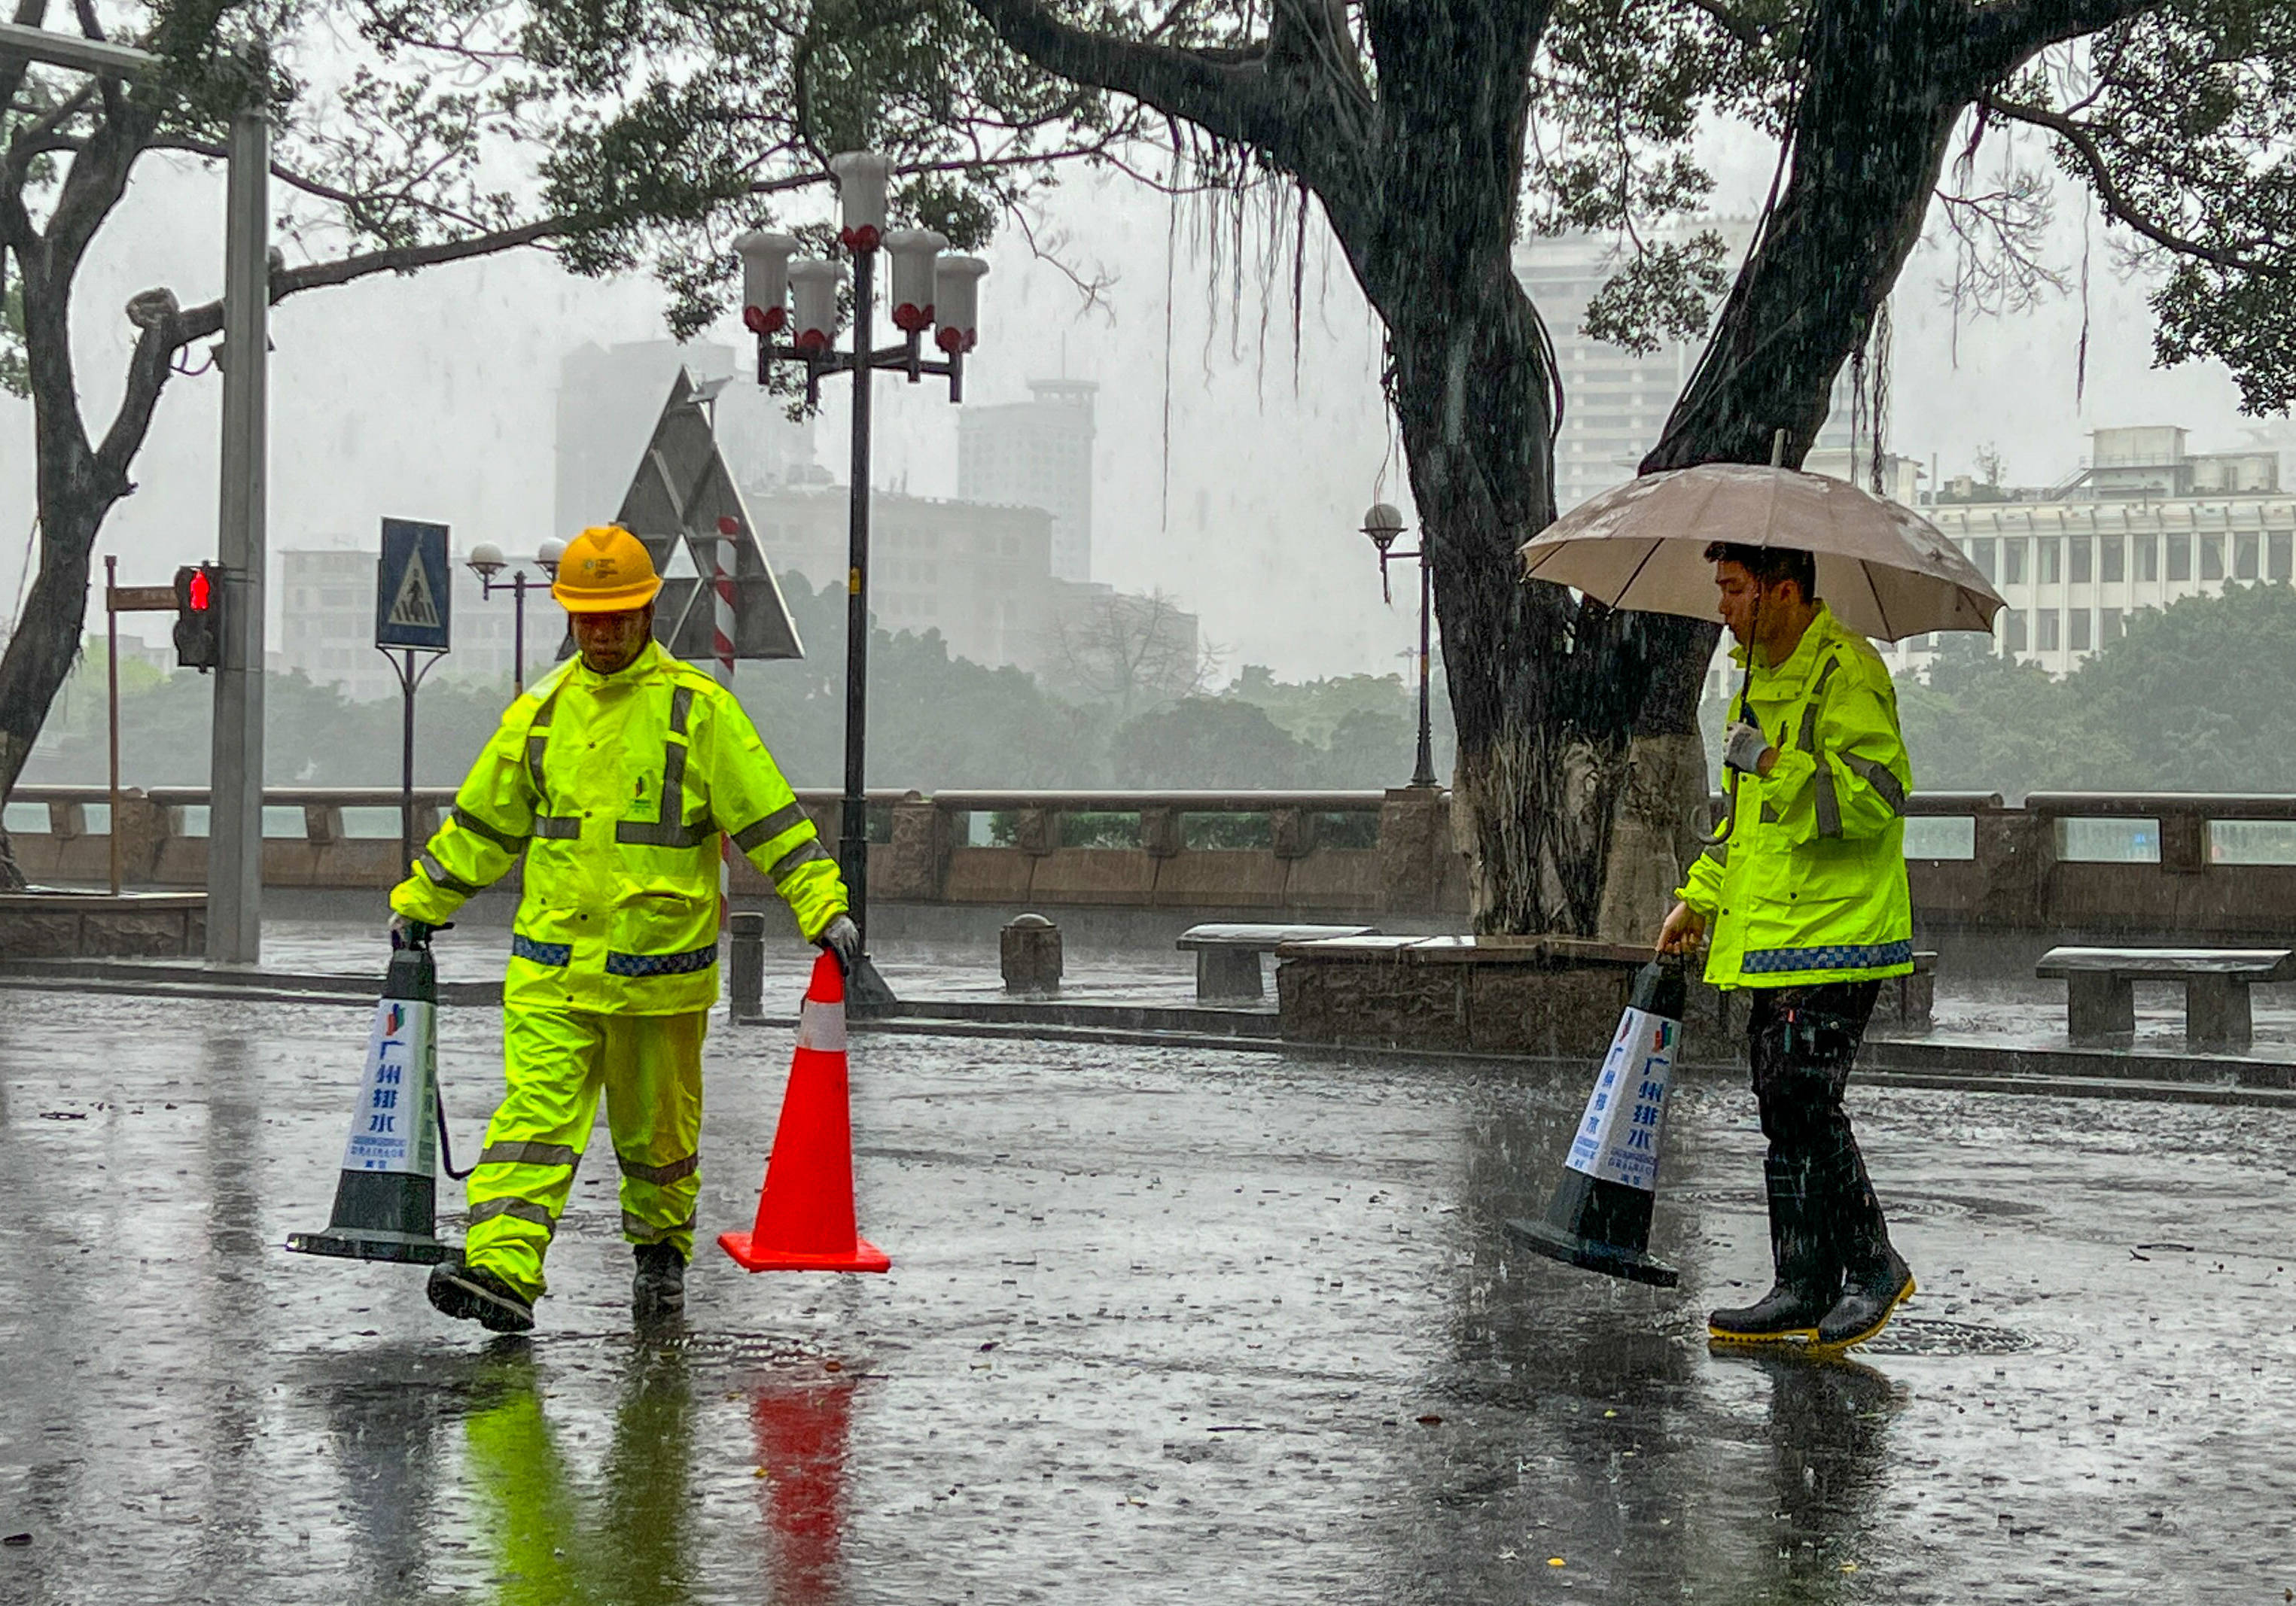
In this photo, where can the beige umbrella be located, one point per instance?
(1884, 571)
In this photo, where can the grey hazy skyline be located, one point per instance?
(433, 396)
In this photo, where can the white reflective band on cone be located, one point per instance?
(821, 1026)
(1625, 1123)
(391, 1129)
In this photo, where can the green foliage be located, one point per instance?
(1206, 741)
(2194, 698)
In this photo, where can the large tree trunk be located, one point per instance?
(1886, 81)
(76, 485)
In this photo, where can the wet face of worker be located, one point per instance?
(611, 642)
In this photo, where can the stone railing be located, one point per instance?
(2063, 861)
(1342, 852)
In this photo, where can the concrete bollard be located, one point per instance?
(749, 965)
(1029, 951)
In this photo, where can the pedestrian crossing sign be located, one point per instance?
(413, 592)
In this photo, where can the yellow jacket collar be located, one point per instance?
(1803, 659)
(649, 658)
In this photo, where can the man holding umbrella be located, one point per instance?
(1801, 896)
(1805, 904)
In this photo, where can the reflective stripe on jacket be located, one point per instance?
(1810, 884)
(617, 787)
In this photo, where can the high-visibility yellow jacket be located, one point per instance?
(617, 787)
(1811, 885)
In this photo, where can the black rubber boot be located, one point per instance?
(471, 1293)
(1807, 1283)
(1866, 1306)
(658, 1288)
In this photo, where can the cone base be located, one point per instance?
(1611, 1259)
(352, 1244)
(864, 1256)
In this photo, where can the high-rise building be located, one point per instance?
(610, 398)
(1036, 453)
(979, 574)
(1614, 401)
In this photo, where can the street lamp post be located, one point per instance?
(1383, 524)
(928, 290)
(485, 561)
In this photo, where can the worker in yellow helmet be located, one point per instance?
(616, 774)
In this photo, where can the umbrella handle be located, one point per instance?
(1730, 804)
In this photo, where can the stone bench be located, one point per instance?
(1227, 956)
(2101, 994)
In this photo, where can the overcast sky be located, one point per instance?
(433, 398)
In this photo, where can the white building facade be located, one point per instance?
(2143, 524)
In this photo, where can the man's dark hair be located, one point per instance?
(1770, 564)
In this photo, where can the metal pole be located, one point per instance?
(518, 634)
(1423, 772)
(853, 829)
(236, 768)
(407, 768)
(112, 656)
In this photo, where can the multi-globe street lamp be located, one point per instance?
(1383, 524)
(799, 299)
(485, 561)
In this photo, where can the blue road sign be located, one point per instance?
(412, 586)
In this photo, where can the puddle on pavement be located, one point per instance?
(1936, 1336)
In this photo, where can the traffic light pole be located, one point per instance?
(235, 912)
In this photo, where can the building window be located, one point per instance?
(2148, 557)
(2013, 561)
(2013, 632)
(2212, 557)
(2052, 560)
(2277, 544)
(2243, 557)
(2109, 627)
(2048, 617)
(2079, 620)
(2078, 547)
(2180, 558)
(2113, 563)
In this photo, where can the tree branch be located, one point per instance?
(198, 323)
(1230, 102)
(1750, 34)
(32, 139)
(2001, 37)
(12, 69)
(2117, 204)
(155, 348)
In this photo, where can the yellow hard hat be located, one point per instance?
(605, 569)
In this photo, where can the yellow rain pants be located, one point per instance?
(557, 1063)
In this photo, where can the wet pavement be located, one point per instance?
(1162, 1324)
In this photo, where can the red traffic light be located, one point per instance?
(199, 618)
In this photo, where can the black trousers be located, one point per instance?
(1826, 1226)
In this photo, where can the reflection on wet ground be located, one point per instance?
(1159, 1324)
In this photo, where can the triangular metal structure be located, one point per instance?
(679, 500)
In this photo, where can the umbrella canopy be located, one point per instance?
(1884, 571)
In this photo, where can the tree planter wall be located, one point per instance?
(91, 925)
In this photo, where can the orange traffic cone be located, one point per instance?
(805, 1215)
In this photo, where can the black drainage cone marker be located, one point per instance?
(1600, 1216)
(384, 1203)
